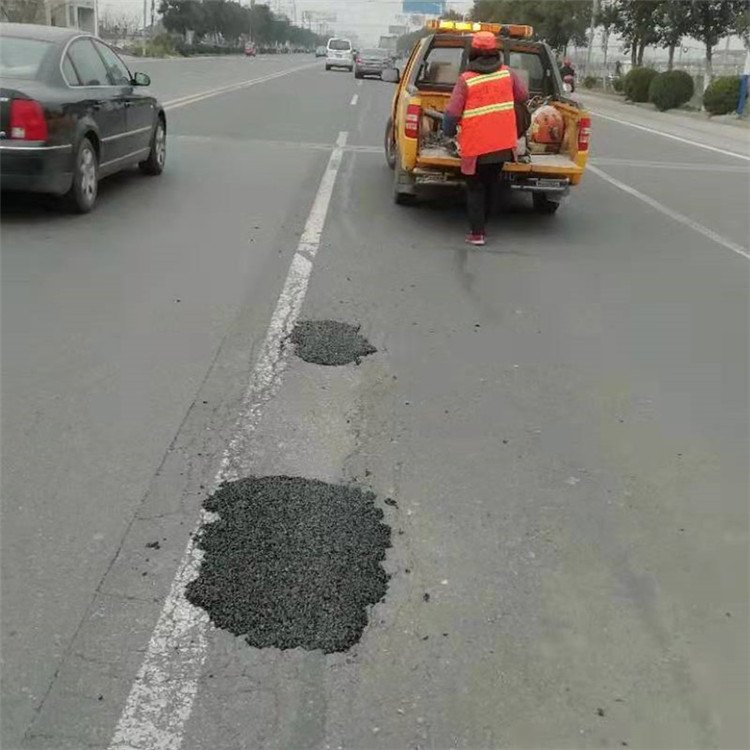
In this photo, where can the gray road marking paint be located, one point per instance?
(689, 142)
(162, 696)
(681, 218)
(201, 96)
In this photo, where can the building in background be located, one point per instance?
(79, 14)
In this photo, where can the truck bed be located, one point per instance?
(554, 164)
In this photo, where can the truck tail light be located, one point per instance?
(584, 133)
(411, 125)
(27, 121)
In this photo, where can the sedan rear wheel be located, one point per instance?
(82, 194)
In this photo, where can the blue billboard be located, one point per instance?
(424, 7)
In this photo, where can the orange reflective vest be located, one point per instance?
(488, 122)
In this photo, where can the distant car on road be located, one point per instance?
(320, 51)
(71, 113)
(372, 62)
(339, 54)
(250, 49)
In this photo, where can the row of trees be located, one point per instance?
(665, 22)
(638, 23)
(22, 11)
(213, 17)
(234, 21)
(558, 22)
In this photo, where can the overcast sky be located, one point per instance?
(369, 18)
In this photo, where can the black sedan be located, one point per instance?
(72, 113)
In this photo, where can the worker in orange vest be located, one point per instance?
(482, 105)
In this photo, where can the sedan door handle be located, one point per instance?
(96, 106)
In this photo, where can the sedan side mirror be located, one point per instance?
(391, 75)
(141, 79)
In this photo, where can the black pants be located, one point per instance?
(481, 192)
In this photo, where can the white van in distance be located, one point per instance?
(339, 54)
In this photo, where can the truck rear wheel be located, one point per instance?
(403, 184)
(543, 205)
(390, 144)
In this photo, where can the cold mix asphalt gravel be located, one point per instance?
(329, 342)
(291, 562)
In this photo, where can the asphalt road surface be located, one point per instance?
(560, 420)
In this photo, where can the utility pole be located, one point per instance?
(145, 21)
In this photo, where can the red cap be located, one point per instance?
(484, 41)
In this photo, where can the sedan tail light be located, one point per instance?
(411, 125)
(27, 121)
(584, 133)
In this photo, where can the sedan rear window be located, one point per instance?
(22, 58)
(339, 44)
(374, 53)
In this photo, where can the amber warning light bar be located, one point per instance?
(518, 31)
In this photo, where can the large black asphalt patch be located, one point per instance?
(291, 562)
(329, 342)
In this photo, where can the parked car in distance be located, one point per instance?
(320, 51)
(71, 113)
(372, 62)
(339, 54)
(250, 49)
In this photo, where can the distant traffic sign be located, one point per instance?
(425, 7)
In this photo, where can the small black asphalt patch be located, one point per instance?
(291, 562)
(329, 342)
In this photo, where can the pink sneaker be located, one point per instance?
(475, 239)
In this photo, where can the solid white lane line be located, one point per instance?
(681, 218)
(354, 100)
(698, 144)
(674, 165)
(200, 96)
(162, 696)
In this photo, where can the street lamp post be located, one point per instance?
(592, 29)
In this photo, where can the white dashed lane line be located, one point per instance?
(354, 100)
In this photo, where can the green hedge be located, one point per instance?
(671, 89)
(161, 45)
(189, 50)
(590, 82)
(636, 84)
(722, 95)
(618, 85)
